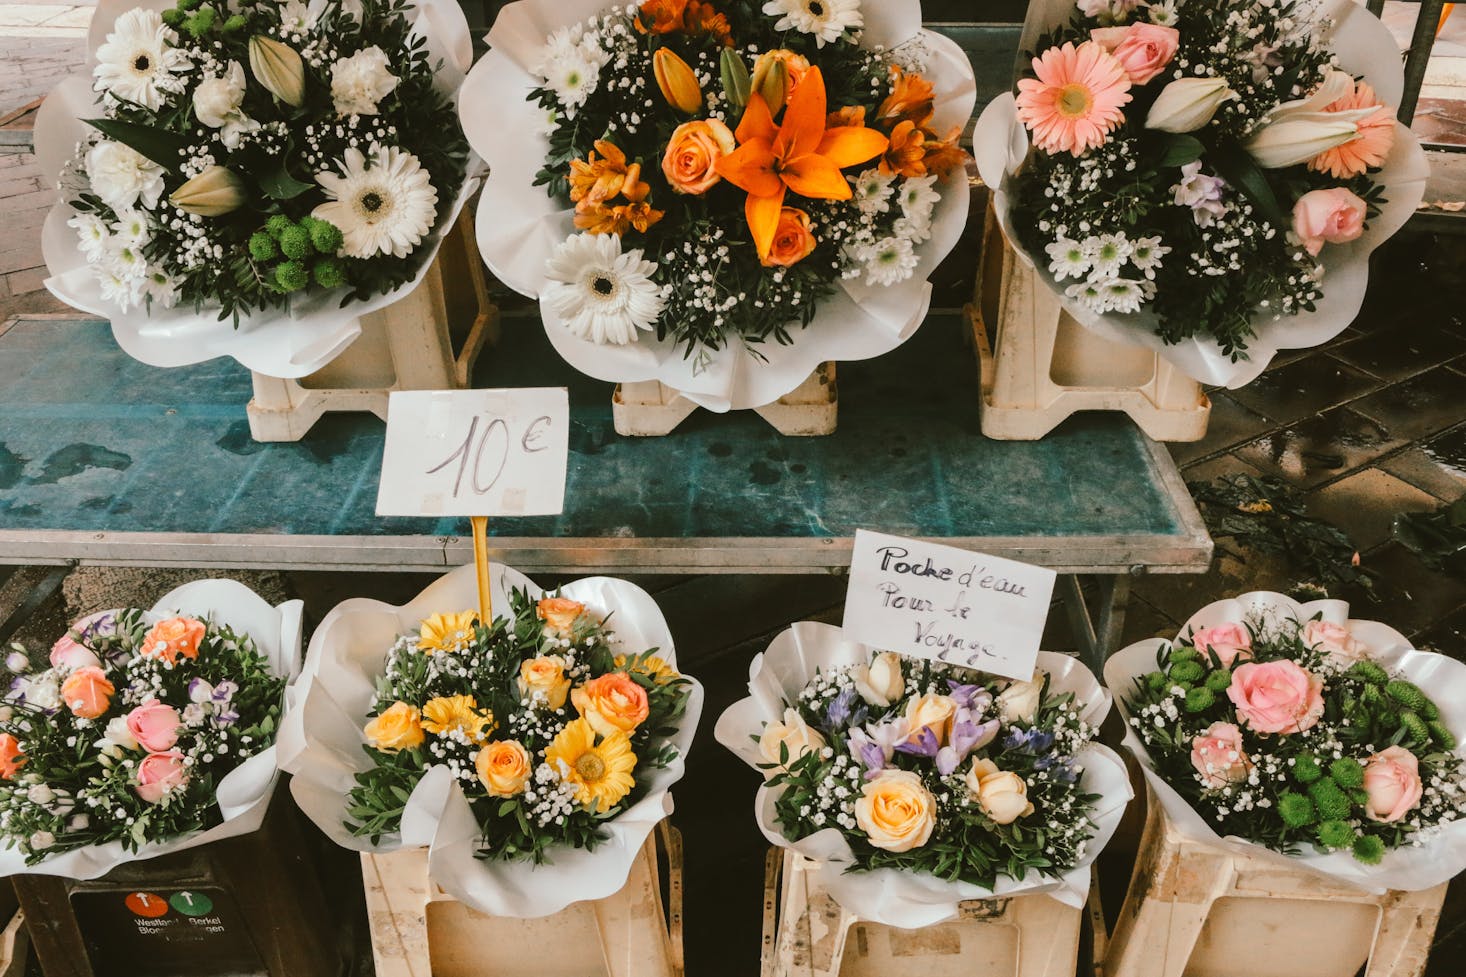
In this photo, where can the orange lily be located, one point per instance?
(801, 155)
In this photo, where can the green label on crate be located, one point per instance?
(194, 932)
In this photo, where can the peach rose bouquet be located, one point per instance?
(922, 784)
(145, 729)
(1292, 727)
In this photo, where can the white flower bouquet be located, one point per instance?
(249, 180)
(917, 785)
(1206, 180)
(149, 732)
(532, 757)
(1290, 729)
(720, 194)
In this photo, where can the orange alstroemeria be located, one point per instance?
(850, 115)
(944, 156)
(912, 99)
(801, 155)
(905, 153)
(600, 178)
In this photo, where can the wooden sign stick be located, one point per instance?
(481, 564)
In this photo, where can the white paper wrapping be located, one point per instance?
(519, 226)
(244, 793)
(279, 343)
(1443, 679)
(889, 896)
(1364, 47)
(321, 745)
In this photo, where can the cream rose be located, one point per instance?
(1018, 703)
(793, 733)
(1002, 794)
(880, 683)
(933, 712)
(896, 811)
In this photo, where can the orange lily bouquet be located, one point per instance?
(716, 173)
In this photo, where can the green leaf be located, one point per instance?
(1242, 171)
(158, 145)
(1182, 149)
(278, 184)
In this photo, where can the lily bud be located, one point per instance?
(1298, 137)
(736, 83)
(277, 66)
(677, 81)
(1187, 104)
(774, 85)
(213, 193)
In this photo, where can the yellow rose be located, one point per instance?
(612, 704)
(545, 674)
(933, 712)
(399, 728)
(880, 683)
(794, 733)
(559, 614)
(896, 811)
(503, 767)
(1002, 794)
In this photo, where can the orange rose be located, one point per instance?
(612, 704)
(693, 153)
(174, 638)
(793, 240)
(795, 66)
(559, 614)
(87, 693)
(503, 767)
(11, 756)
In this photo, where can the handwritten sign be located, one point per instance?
(947, 604)
(475, 453)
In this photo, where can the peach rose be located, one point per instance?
(1002, 794)
(177, 637)
(1218, 756)
(793, 239)
(70, 653)
(158, 774)
(87, 692)
(612, 704)
(11, 756)
(154, 726)
(1276, 697)
(1231, 642)
(544, 674)
(933, 712)
(503, 767)
(690, 163)
(1392, 781)
(896, 811)
(1333, 216)
(796, 66)
(559, 614)
(399, 728)
(1342, 647)
(1144, 49)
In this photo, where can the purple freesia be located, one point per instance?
(199, 690)
(924, 743)
(226, 717)
(972, 697)
(1034, 741)
(867, 752)
(224, 691)
(1201, 192)
(842, 711)
(967, 736)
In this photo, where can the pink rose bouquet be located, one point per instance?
(126, 736)
(1287, 726)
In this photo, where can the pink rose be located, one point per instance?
(1218, 756)
(1334, 216)
(154, 726)
(158, 774)
(70, 653)
(1276, 697)
(1342, 647)
(1392, 781)
(1144, 49)
(1230, 642)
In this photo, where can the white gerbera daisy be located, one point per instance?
(92, 235)
(1067, 259)
(122, 176)
(827, 20)
(138, 62)
(383, 203)
(890, 261)
(873, 191)
(603, 294)
(918, 198)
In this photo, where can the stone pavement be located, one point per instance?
(41, 41)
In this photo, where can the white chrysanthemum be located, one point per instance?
(92, 235)
(917, 232)
(603, 294)
(126, 262)
(138, 62)
(1162, 13)
(1122, 295)
(1087, 294)
(918, 198)
(1146, 254)
(130, 229)
(160, 287)
(573, 79)
(297, 17)
(1106, 254)
(218, 103)
(1067, 259)
(124, 291)
(890, 261)
(873, 191)
(825, 19)
(122, 176)
(359, 82)
(384, 205)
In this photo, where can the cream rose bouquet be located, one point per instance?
(533, 754)
(148, 731)
(1291, 727)
(926, 783)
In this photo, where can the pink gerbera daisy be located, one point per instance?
(1075, 101)
(1366, 150)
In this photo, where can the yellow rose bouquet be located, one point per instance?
(892, 766)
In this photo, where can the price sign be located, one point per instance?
(475, 453)
(947, 604)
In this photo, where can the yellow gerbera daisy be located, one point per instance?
(652, 666)
(446, 632)
(446, 713)
(601, 774)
